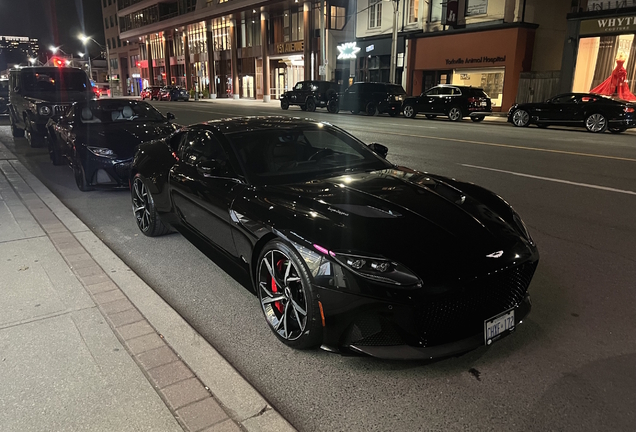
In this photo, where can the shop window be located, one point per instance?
(134, 61)
(338, 18)
(105, 22)
(250, 30)
(598, 57)
(197, 40)
(491, 80)
(221, 34)
(413, 10)
(375, 13)
(435, 11)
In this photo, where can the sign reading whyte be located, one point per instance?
(476, 60)
(608, 25)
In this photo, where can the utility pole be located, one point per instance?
(394, 38)
(323, 75)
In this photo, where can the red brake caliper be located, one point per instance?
(278, 305)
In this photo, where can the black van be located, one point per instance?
(373, 97)
(38, 93)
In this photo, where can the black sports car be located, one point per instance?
(345, 249)
(595, 112)
(99, 139)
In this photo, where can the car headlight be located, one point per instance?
(44, 110)
(378, 269)
(102, 151)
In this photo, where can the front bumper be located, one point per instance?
(105, 172)
(420, 325)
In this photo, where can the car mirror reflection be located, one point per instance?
(170, 116)
(379, 149)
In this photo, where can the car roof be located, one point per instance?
(246, 124)
(458, 86)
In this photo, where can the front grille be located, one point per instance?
(462, 313)
(61, 109)
(122, 170)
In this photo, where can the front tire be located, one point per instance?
(284, 104)
(477, 119)
(54, 152)
(16, 131)
(310, 105)
(333, 107)
(370, 109)
(596, 123)
(455, 114)
(617, 130)
(80, 176)
(520, 118)
(35, 139)
(287, 300)
(143, 206)
(409, 111)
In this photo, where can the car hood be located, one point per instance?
(55, 97)
(123, 138)
(419, 220)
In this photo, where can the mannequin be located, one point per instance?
(616, 84)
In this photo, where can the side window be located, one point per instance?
(433, 92)
(445, 91)
(564, 99)
(201, 146)
(456, 91)
(353, 88)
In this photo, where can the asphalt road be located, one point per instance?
(570, 366)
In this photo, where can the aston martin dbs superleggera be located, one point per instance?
(345, 249)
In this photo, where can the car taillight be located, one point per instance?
(628, 109)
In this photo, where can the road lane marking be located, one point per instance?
(592, 155)
(591, 186)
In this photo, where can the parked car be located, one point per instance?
(309, 95)
(99, 138)
(344, 248)
(4, 96)
(372, 97)
(151, 93)
(455, 102)
(174, 93)
(38, 93)
(594, 112)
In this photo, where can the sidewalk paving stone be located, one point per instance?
(202, 414)
(170, 373)
(184, 393)
(144, 343)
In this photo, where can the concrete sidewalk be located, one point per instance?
(87, 345)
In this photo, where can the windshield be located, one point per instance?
(299, 154)
(56, 80)
(116, 111)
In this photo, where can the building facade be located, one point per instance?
(483, 43)
(17, 50)
(123, 55)
(235, 48)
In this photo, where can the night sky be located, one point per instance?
(56, 22)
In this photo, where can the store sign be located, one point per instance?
(370, 48)
(475, 60)
(136, 75)
(348, 50)
(476, 7)
(289, 47)
(608, 25)
(599, 5)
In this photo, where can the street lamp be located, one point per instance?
(85, 39)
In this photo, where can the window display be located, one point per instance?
(606, 65)
(491, 80)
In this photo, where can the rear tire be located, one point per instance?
(144, 210)
(477, 119)
(333, 107)
(36, 140)
(520, 118)
(370, 109)
(596, 123)
(80, 176)
(617, 130)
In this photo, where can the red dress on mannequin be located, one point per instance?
(616, 84)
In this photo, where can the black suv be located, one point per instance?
(311, 94)
(38, 93)
(371, 97)
(453, 101)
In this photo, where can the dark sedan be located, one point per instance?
(172, 93)
(99, 139)
(344, 249)
(594, 112)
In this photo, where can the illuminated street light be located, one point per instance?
(32, 61)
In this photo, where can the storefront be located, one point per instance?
(602, 55)
(373, 62)
(489, 59)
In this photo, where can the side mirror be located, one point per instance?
(379, 149)
(170, 116)
(211, 168)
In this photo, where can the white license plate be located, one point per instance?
(498, 325)
(484, 103)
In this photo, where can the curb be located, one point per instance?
(201, 389)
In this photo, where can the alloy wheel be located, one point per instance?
(520, 118)
(455, 114)
(409, 111)
(596, 123)
(282, 295)
(141, 205)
